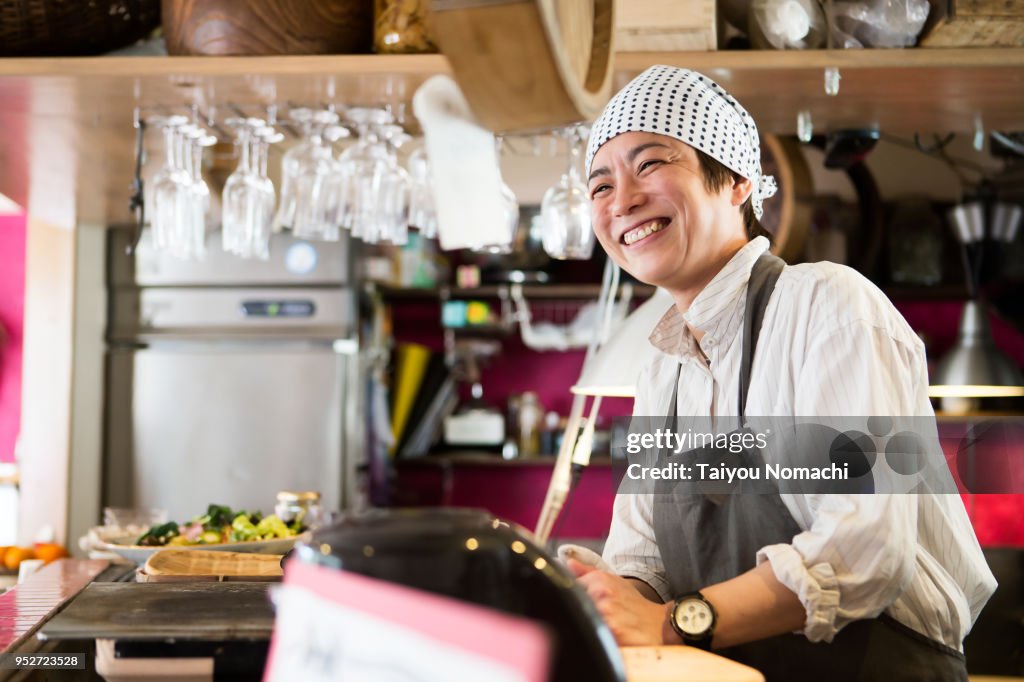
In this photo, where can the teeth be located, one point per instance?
(643, 231)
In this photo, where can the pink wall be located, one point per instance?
(517, 492)
(12, 306)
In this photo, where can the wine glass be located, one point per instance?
(365, 165)
(422, 212)
(306, 172)
(565, 209)
(166, 185)
(248, 196)
(509, 217)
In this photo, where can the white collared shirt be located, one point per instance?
(831, 344)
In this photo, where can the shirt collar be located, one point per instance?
(714, 311)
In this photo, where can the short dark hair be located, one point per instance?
(716, 176)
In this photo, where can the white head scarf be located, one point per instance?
(691, 108)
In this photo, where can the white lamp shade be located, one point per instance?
(612, 371)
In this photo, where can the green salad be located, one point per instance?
(220, 525)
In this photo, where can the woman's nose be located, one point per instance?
(628, 197)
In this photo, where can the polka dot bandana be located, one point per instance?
(692, 108)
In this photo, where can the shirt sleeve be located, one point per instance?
(631, 549)
(858, 552)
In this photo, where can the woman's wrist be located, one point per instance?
(669, 635)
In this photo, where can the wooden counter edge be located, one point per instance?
(671, 663)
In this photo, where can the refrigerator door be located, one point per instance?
(190, 424)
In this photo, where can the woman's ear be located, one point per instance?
(742, 188)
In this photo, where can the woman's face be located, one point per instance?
(654, 216)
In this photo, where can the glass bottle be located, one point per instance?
(402, 27)
(303, 505)
(531, 416)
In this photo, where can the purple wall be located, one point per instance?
(12, 306)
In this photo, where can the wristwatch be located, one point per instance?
(693, 618)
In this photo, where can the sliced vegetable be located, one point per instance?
(158, 535)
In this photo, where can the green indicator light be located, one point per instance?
(272, 309)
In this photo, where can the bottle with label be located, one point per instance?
(531, 416)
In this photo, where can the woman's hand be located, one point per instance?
(634, 620)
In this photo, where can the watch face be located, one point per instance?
(693, 617)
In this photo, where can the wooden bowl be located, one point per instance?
(267, 27)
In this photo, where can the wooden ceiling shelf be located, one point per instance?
(66, 124)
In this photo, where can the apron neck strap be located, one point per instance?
(763, 277)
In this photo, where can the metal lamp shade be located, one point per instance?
(968, 221)
(613, 369)
(975, 367)
(1006, 219)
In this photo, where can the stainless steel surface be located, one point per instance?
(224, 424)
(164, 612)
(323, 313)
(292, 262)
(229, 394)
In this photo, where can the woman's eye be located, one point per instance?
(598, 190)
(647, 164)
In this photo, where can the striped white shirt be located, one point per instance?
(831, 344)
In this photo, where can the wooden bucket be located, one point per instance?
(267, 27)
(529, 64)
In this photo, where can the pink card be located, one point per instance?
(335, 625)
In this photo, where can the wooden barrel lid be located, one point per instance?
(787, 215)
(529, 64)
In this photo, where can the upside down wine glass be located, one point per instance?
(565, 209)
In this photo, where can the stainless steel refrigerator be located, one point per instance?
(229, 380)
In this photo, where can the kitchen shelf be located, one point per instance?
(66, 137)
(484, 459)
(530, 291)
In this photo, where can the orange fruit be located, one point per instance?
(15, 555)
(48, 551)
(3, 551)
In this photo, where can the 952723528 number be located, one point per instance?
(42, 661)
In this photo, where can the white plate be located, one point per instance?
(140, 554)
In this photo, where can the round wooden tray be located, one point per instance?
(529, 65)
(787, 215)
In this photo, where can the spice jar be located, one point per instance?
(401, 26)
(302, 505)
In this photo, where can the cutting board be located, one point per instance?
(205, 563)
(165, 611)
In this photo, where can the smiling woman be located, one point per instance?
(655, 216)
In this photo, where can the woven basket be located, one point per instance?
(55, 28)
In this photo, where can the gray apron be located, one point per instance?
(704, 540)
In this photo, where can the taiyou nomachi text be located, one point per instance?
(702, 471)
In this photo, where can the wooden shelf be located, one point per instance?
(66, 137)
(900, 91)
